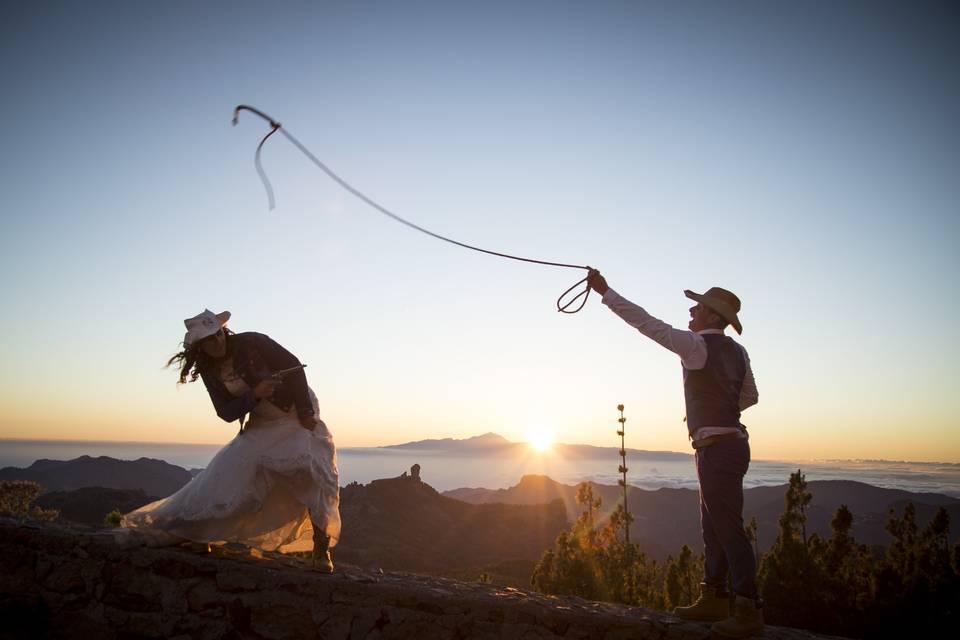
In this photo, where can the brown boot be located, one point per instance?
(321, 551)
(712, 605)
(746, 621)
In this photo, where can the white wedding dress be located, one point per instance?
(266, 488)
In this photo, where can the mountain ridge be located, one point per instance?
(484, 440)
(405, 524)
(666, 518)
(154, 477)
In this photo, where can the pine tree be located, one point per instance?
(586, 523)
(834, 586)
(572, 567)
(790, 580)
(682, 578)
(798, 498)
(917, 583)
(847, 569)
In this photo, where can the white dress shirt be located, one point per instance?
(689, 345)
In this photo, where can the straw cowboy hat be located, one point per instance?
(204, 325)
(721, 301)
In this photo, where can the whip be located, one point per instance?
(275, 126)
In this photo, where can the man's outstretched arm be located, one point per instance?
(688, 345)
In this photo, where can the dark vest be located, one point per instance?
(713, 392)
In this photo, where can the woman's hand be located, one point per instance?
(308, 422)
(264, 388)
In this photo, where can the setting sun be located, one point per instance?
(540, 438)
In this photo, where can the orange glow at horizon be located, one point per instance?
(540, 438)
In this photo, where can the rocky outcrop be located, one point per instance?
(404, 524)
(72, 582)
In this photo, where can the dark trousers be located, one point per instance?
(720, 468)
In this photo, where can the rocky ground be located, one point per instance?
(62, 581)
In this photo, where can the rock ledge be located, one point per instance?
(62, 581)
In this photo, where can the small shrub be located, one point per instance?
(113, 518)
(16, 501)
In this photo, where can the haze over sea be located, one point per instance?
(444, 469)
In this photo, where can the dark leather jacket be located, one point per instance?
(255, 356)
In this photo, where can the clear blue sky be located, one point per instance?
(804, 155)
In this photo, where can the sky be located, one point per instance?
(803, 155)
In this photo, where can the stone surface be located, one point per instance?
(49, 590)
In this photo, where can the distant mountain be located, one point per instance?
(666, 519)
(153, 477)
(489, 441)
(485, 441)
(405, 524)
(90, 505)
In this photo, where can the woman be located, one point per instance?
(275, 485)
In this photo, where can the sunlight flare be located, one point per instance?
(540, 438)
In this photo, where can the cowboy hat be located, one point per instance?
(203, 325)
(722, 301)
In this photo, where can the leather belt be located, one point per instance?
(723, 437)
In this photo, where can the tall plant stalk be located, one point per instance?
(623, 472)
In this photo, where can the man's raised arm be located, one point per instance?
(688, 345)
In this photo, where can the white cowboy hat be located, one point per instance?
(203, 325)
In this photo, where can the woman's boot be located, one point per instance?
(321, 551)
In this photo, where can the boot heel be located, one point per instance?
(321, 552)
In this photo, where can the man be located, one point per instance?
(717, 384)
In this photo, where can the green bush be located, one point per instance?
(16, 501)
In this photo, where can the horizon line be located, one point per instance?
(221, 444)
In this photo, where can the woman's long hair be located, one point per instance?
(193, 359)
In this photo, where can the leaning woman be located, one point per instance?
(275, 486)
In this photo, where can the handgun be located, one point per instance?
(278, 376)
